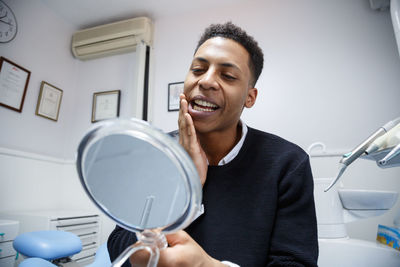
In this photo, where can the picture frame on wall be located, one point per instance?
(106, 105)
(14, 81)
(49, 101)
(174, 91)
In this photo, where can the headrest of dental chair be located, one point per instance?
(49, 245)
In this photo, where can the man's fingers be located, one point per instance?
(139, 258)
(183, 108)
(189, 126)
(182, 122)
(182, 112)
(192, 141)
(177, 238)
(183, 97)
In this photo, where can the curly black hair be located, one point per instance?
(237, 34)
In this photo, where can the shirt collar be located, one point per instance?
(235, 150)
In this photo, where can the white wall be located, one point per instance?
(29, 184)
(331, 74)
(43, 47)
(103, 74)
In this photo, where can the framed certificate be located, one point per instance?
(14, 81)
(49, 101)
(174, 91)
(105, 105)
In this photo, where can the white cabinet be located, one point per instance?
(8, 232)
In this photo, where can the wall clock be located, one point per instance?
(8, 23)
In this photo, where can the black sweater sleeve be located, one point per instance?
(118, 241)
(294, 240)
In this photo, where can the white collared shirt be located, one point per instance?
(235, 150)
(232, 154)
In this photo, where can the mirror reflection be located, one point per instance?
(139, 176)
(135, 181)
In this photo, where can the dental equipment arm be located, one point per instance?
(348, 158)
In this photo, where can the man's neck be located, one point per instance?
(217, 144)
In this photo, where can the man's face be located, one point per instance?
(217, 85)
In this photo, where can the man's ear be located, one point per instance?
(251, 97)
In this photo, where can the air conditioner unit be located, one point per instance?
(110, 39)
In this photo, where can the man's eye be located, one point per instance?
(197, 70)
(229, 77)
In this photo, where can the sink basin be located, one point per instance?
(367, 199)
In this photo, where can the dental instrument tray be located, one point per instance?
(379, 155)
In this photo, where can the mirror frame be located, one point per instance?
(161, 141)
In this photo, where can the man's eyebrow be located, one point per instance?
(229, 65)
(226, 64)
(201, 59)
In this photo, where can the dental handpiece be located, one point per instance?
(382, 141)
(350, 157)
(393, 153)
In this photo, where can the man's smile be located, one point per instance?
(203, 105)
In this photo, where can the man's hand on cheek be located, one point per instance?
(188, 139)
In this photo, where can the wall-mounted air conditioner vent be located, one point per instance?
(110, 39)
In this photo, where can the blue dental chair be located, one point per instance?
(48, 248)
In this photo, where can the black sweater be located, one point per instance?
(259, 208)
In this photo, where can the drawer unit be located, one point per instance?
(88, 230)
(6, 249)
(8, 232)
(86, 225)
(7, 261)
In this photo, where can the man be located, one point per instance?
(257, 187)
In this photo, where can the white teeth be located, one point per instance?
(202, 109)
(205, 103)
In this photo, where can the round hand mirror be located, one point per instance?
(141, 178)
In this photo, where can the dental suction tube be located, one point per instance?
(349, 158)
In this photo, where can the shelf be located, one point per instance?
(377, 156)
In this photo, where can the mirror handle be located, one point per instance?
(129, 251)
(154, 256)
(153, 250)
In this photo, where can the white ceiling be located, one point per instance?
(88, 13)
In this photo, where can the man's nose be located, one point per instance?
(209, 80)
